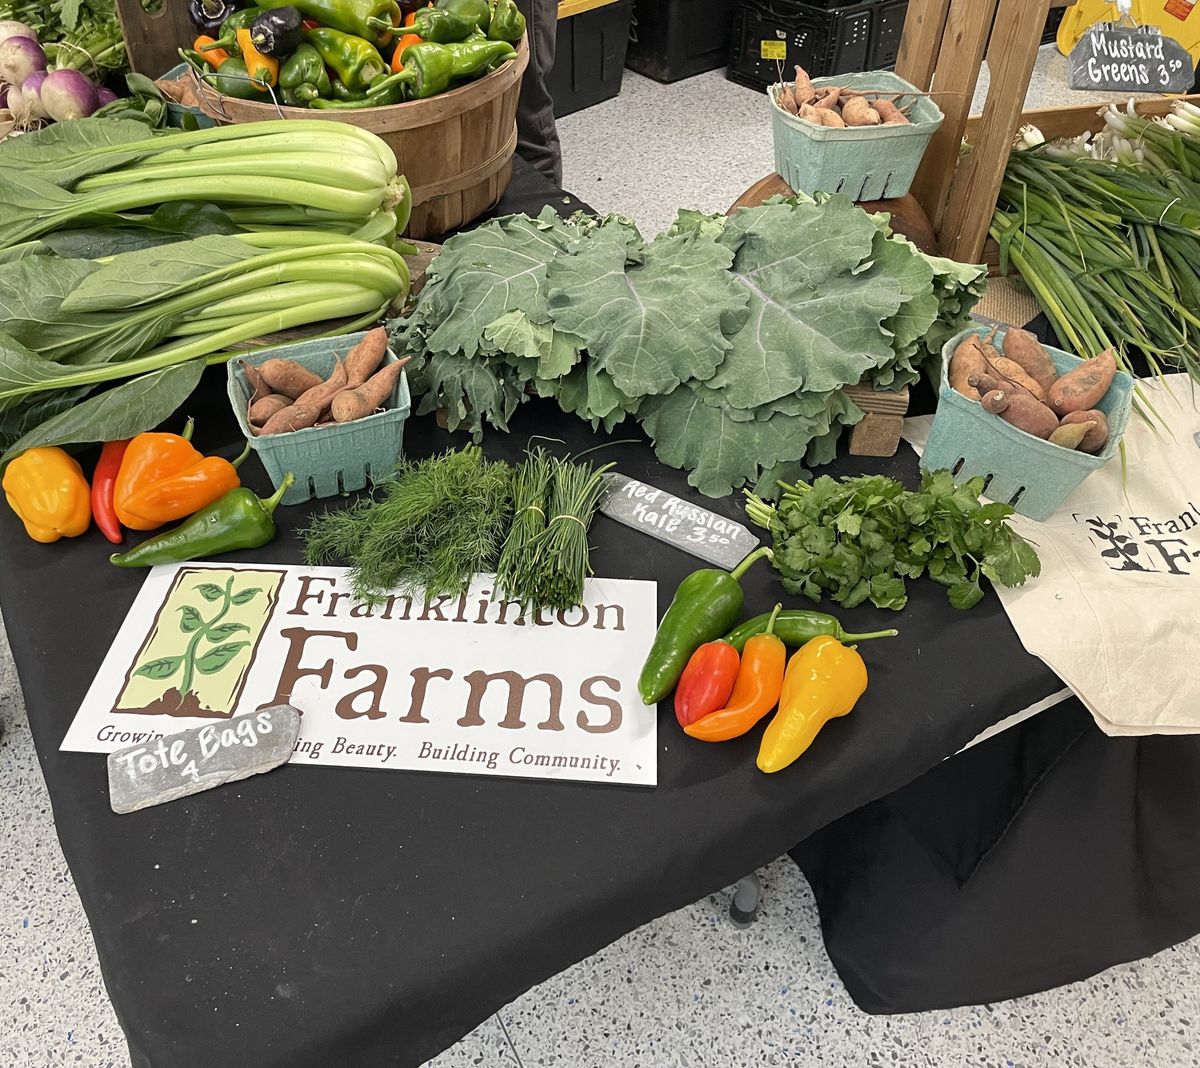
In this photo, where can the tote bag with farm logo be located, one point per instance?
(1116, 610)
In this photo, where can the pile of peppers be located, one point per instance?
(143, 483)
(344, 54)
(728, 678)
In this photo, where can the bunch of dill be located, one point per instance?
(437, 523)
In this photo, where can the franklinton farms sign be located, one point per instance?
(465, 684)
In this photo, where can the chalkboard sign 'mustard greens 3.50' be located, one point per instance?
(1133, 59)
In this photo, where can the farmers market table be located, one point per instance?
(340, 917)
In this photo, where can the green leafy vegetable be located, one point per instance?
(858, 539)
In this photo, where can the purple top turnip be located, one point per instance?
(67, 94)
(8, 29)
(104, 96)
(19, 58)
(31, 94)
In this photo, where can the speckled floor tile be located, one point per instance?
(485, 1047)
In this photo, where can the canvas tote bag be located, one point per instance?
(1116, 610)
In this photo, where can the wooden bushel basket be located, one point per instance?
(455, 149)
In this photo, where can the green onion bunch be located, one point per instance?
(531, 483)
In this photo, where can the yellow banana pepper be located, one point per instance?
(47, 490)
(824, 679)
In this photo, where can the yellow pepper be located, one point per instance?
(47, 490)
(824, 679)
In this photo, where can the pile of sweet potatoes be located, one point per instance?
(1022, 386)
(284, 396)
(837, 107)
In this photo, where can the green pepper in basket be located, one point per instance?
(507, 23)
(431, 68)
(227, 39)
(356, 62)
(476, 11)
(374, 20)
(441, 27)
(238, 520)
(383, 92)
(303, 77)
(340, 91)
(233, 79)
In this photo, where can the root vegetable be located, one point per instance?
(363, 360)
(372, 394)
(30, 94)
(967, 361)
(1097, 437)
(288, 377)
(828, 98)
(987, 383)
(1085, 386)
(1071, 435)
(320, 395)
(256, 382)
(812, 114)
(1023, 412)
(67, 94)
(19, 58)
(293, 417)
(857, 111)
(262, 410)
(786, 101)
(9, 28)
(802, 89)
(831, 118)
(890, 114)
(1014, 372)
(1022, 347)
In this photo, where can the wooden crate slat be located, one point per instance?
(923, 25)
(152, 40)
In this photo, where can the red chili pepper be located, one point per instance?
(104, 483)
(309, 24)
(706, 682)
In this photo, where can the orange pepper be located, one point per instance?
(214, 57)
(755, 693)
(401, 45)
(411, 17)
(263, 69)
(164, 478)
(47, 490)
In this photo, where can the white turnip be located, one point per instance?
(31, 94)
(19, 58)
(67, 94)
(9, 28)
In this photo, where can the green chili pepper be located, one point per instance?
(238, 520)
(383, 92)
(303, 77)
(473, 59)
(798, 627)
(239, 20)
(507, 23)
(233, 79)
(340, 91)
(706, 604)
(376, 21)
(476, 11)
(441, 27)
(356, 62)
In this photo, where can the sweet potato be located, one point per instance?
(320, 395)
(1085, 386)
(1097, 437)
(967, 360)
(786, 101)
(1070, 435)
(363, 359)
(363, 400)
(802, 89)
(254, 379)
(1023, 412)
(828, 98)
(1023, 348)
(288, 377)
(1014, 372)
(857, 111)
(830, 118)
(262, 410)
(294, 417)
(891, 115)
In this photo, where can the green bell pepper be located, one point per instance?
(507, 23)
(441, 27)
(239, 20)
(238, 520)
(376, 21)
(233, 79)
(303, 77)
(356, 62)
(477, 11)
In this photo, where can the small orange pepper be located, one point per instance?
(47, 490)
(214, 57)
(755, 692)
(401, 45)
(263, 69)
(164, 478)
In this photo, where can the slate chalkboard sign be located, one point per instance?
(662, 515)
(1111, 57)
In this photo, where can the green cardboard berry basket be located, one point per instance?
(1031, 474)
(326, 460)
(864, 162)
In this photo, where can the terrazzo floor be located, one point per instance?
(689, 990)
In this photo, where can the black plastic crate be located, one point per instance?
(1053, 21)
(773, 36)
(590, 57)
(673, 39)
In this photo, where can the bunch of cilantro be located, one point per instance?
(859, 539)
(729, 339)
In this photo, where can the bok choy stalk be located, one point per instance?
(307, 173)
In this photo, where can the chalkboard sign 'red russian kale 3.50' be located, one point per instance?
(1134, 59)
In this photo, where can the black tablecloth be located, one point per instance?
(335, 916)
